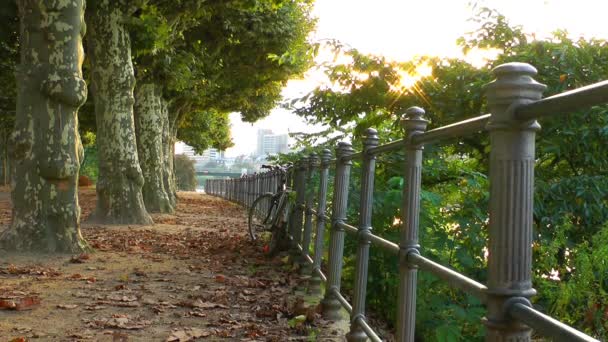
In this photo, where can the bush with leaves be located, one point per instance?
(184, 173)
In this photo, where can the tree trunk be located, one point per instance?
(170, 176)
(4, 137)
(45, 145)
(169, 139)
(168, 152)
(149, 127)
(119, 196)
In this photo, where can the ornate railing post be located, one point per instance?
(370, 140)
(242, 190)
(511, 198)
(309, 191)
(233, 189)
(290, 184)
(315, 281)
(247, 191)
(252, 179)
(298, 210)
(413, 123)
(331, 305)
(238, 190)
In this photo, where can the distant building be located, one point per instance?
(208, 154)
(213, 154)
(269, 143)
(261, 134)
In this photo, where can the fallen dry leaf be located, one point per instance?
(67, 306)
(19, 304)
(188, 334)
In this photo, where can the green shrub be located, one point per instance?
(184, 173)
(90, 163)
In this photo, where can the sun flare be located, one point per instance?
(408, 79)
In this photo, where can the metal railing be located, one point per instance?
(514, 100)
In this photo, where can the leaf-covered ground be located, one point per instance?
(192, 276)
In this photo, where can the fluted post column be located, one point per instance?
(413, 123)
(331, 305)
(511, 199)
(298, 211)
(309, 191)
(315, 281)
(370, 140)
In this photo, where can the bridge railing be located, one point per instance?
(514, 100)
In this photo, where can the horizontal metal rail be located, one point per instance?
(452, 277)
(324, 216)
(566, 102)
(547, 325)
(321, 275)
(352, 156)
(348, 228)
(455, 130)
(345, 304)
(306, 256)
(391, 146)
(368, 330)
(384, 244)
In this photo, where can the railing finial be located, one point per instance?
(413, 121)
(514, 84)
(370, 137)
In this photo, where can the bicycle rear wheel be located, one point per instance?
(261, 215)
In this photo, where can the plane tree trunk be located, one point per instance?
(119, 187)
(171, 138)
(45, 146)
(150, 123)
(168, 155)
(6, 165)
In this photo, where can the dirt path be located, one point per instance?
(193, 275)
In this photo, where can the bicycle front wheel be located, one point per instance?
(261, 215)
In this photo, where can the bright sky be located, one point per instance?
(401, 29)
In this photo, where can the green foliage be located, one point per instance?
(206, 129)
(9, 57)
(90, 164)
(184, 173)
(570, 213)
(214, 58)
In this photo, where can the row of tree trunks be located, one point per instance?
(45, 148)
(119, 187)
(45, 145)
(151, 123)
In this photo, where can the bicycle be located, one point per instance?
(270, 212)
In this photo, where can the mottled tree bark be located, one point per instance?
(4, 134)
(169, 139)
(149, 123)
(119, 196)
(168, 155)
(45, 145)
